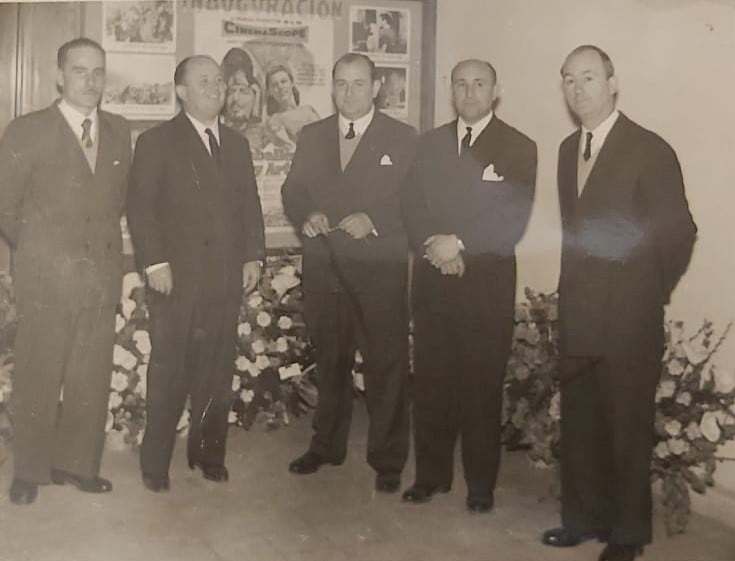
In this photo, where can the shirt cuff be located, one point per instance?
(150, 268)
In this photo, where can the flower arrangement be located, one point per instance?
(695, 404)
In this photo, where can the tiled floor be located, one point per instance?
(266, 514)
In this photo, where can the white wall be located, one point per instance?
(674, 61)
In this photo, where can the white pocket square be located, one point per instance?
(386, 161)
(116, 163)
(489, 174)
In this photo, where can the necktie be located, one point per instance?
(587, 147)
(87, 133)
(464, 147)
(213, 146)
(350, 132)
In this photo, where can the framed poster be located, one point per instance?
(140, 86)
(139, 26)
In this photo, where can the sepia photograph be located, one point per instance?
(380, 32)
(393, 95)
(140, 86)
(139, 26)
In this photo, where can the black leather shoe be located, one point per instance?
(480, 503)
(215, 473)
(620, 552)
(86, 484)
(387, 482)
(308, 463)
(418, 493)
(565, 537)
(156, 483)
(23, 492)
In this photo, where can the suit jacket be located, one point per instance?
(448, 195)
(371, 183)
(61, 219)
(626, 242)
(204, 220)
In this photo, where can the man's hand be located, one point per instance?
(441, 249)
(161, 279)
(250, 275)
(454, 267)
(317, 223)
(358, 225)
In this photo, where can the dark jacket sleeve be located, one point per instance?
(418, 219)
(144, 186)
(497, 230)
(297, 203)
(253, 212)
(16, 164)
(673, 231)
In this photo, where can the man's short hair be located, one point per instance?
(493, 73)
(350, 58)
(64, 49)
(606, 61)
(180, 72)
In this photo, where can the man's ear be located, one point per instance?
(181, 92)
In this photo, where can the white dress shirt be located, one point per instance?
(598, 135)
(202, 127)
(75, 118)
(477, 129)
(360, 125)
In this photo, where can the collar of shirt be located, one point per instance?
(360, 124)
(599, 134)
(202, 127)
(477, 129)
(75, 118)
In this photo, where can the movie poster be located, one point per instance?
(278, 75)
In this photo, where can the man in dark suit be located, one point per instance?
(197, 230)
(63, 177)
(627, 239)
(468, 203)
(342, 193)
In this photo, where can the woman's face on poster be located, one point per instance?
(280, 88)
(241, 95)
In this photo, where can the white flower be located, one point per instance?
(285, 322)
(281, 344)
(242, 363)
(684, 398)
(678, 446)
(288, 270)
(232, 417)
(665, 389)
(674, 367)
(555, 407)
(110, 421)
(142, 342)
(244, 329)
(709, 427)
(119, 381)
(123, 358)
(262, 362)
(263, 319)
(286, 372)
(695, 354)
(692, 431)
(247, 396)
(119, 323)
(114, 401)
(127, 306)
(236, 383)
(661, 450)
(258, 346)
(282, 283)
(255, 300)
(724, 379)
(676, 332)
(130, 281)
(673, 428)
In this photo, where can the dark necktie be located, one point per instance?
(464, 147)
(587, 147)
(213, 146)
(350, 132)
(87, 133)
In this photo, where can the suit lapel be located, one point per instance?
(203, 166)
(366, 151)
(105, 149)
(487, 144)
(567, 175)
(606, 160)
(70, 143)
